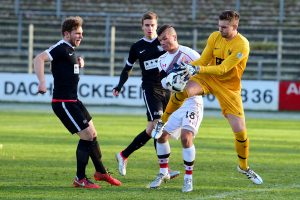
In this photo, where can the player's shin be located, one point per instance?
(242, 148)
(189, 155)
(176, 100)
(96, 156)
(82, 156)
(139, 141)
(163, 154)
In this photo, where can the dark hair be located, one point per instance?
(149, 15)
(163, 28)
(71, 23)
(229, 15)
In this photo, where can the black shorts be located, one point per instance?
(156, 101)
(73, 115)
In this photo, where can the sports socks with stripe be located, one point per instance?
(189, 155)
(163, 154)
(242, 148)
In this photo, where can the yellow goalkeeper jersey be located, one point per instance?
(224, 60)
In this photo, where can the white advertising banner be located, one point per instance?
(97, 90)
(256, 95)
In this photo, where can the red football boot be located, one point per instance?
(85, 183)
(106, 177)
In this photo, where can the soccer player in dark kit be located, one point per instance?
(65, 67)
(146, 50)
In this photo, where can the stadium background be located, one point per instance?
(272, 28)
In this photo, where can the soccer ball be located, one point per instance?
(175, 82)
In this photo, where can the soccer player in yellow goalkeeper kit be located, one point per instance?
(219, 72)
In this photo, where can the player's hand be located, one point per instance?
(116, 91)
(191, 69)
(178, 68)
(80, 61)
(42, 88)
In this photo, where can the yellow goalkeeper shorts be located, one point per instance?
(230, 101)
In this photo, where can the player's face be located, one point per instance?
(149, 27)
(74, 37)
(227, 30)
(168, 41)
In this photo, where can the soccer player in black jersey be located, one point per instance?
(146, 50)
(65, 67)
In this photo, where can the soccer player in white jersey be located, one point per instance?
(183, 123)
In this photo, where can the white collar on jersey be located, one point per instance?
(147, 40)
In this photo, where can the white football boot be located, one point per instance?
(187, 185)
(159, 179)
(122, 163)
(173, 174)
(158, 129)
(254, 177)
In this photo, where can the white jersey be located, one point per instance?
(183, 54)
(190, 114)
(167, 60)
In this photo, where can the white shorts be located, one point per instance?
(187, 117)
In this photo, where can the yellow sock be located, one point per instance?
(176, 100)
(242, 148)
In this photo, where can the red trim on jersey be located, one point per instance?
(63, 100)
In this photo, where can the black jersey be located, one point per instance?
(65, 70)
(147, 52)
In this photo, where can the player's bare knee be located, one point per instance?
(86, 135)
(94, 135)
(186, 142)
(163, 138)
(186, 138)
(192, 88)
(150, 126)
(149, 130)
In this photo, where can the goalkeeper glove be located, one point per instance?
(178, 68)
(192, 69)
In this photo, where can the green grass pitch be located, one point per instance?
(37, 160)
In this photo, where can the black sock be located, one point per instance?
(82, 156)
(96, 156)
(139, 141)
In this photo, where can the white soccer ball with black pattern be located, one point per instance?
(175, 82)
